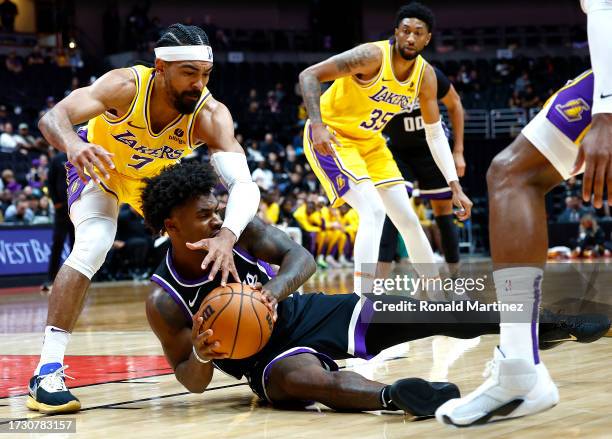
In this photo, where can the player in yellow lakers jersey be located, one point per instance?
(140, 120)
(343, 141)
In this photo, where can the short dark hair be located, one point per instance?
(173, 187)
(182, 35)
(416, 10)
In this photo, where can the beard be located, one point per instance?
(184, 102)
(408, 56)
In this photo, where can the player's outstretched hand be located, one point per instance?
(269, 299)
(220, 254)
(202, 341)
(596, 154)
(85, 156)
(322, 139)
(461, 201)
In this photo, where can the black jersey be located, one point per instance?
(406, 129)
(304, 320)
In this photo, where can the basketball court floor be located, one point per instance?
(128, 390)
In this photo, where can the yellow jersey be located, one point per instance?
(360, 110)
(310, 223)
(350, 220)
(138, 151)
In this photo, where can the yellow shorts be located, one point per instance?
(357, 160)
(125, 189)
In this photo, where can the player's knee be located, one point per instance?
(500, 171)
(375, 214)
(94, 237)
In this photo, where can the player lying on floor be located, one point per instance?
(311, 331)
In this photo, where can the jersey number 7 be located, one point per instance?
(142, 161)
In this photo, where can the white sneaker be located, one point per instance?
(332, 262)
(344, 262)
(514, 388)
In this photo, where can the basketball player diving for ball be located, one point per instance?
(140, 120)
(572, 134)
(346, 150)
(297, 364)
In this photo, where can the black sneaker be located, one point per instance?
(48, 392)
(582, 328)
(421, 398)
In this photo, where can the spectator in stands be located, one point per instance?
(36, 57)
(8, 143)
(10, 183)
(515, 100)
(19, 213)
(263, 176)
(24, 139)
(591, 239)
(530, 99)
(574, 210)
(13, 63)
(8, 12)
(521, 83)
(253, 153)
(49, 104)
(45, 212)
(270, 145)
(269, 210)
(37, 177)
(6, 199)
(272, 103)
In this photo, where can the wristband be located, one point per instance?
(195, 354)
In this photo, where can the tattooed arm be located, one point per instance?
(272, 245)
(363, 62)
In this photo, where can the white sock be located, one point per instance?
(400, 212)
(54, 347)
(364, 198)
(519, 285)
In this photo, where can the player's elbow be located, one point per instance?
(307, 75)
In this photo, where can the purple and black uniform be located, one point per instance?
(406, 140)
(328, 326)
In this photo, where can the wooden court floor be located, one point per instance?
(127, 389)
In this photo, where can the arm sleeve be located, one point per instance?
(600, 46)
(440, 150)
(243, 200)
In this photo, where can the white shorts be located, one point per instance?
(560, 151)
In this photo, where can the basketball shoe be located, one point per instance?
(514, 387)
(420, 398)
(581, 328)
(48, 392)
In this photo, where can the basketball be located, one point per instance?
(240, 320)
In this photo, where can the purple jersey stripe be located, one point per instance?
(175, 296)
(570, 110)
(328, 165)
(365, 317)
(537, 288)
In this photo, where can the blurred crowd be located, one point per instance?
(269, 119)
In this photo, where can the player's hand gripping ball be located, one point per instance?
(240, 320)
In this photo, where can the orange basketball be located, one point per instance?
(240, 320)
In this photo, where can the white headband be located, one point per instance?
(185, 53)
